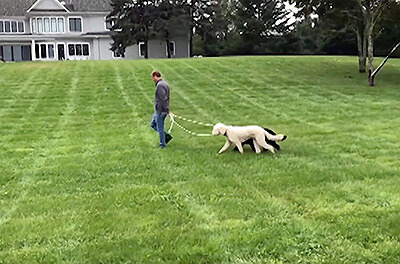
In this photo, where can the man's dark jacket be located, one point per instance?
(161, 98)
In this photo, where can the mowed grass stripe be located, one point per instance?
(18, 97)
(140, 121)
(25, 181)
(136, 87)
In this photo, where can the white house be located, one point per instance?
(67, 30)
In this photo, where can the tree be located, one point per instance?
(209, 21)
(257, 21)
(340, 16)
(390, 26)
(363, 16)
(371, 11)
(371, 75)
(137, 21)
(132, 23)
(169, 18)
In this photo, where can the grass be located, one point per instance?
(82, 180)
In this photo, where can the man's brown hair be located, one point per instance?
(156, 74)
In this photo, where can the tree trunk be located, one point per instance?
(146, 49)
(370, 31)
(362, 60)
(168, 49)
(371, 75)
(191, 43)
(191, 31)
(146, 43)
(370, 49)
(365, 47)
(371, 78)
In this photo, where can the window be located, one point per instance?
(11, 26)
(48, 25)
(78, 50)
(142, 49)
(109, 23)
(40, 25)
(43, 51)
(171, 48)
(60, 24)
(115, 54)
(37, 51)
(75, 25)
(71, 50)
(34, 25)
(51, 51)
(85, 49)
(21, 27)
(53, 23)
(14, 27)
(7, 26)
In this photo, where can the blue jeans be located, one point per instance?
(157, 123)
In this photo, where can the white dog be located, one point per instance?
(237, 135)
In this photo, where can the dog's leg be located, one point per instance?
(225, 147)
(239, 146)
(256, 146)
(279, 137)
(261, 141)
(251, 144)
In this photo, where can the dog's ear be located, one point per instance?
(222, 129)
(219, 129)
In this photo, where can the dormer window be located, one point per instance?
(75, 24)
(50, 25)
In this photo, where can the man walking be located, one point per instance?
(161, 107)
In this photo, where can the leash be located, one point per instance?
(192, 121)
(171, 116)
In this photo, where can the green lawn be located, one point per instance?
(82, 180)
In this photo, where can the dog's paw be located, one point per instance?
(284, 137)
(272, 150)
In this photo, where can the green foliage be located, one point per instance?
(144, 20)
(257, 22)
(169, 20)
(132, 23)
(82, 180)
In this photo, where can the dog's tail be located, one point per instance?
(279, 137)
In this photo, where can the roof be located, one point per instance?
(19, 7)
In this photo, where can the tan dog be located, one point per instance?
(237, 135)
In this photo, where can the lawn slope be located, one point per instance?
(82, 180)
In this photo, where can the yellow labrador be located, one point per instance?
(237, 135)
